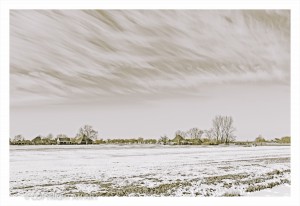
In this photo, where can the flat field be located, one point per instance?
(148, 170)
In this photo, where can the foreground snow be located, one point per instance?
(148, 170)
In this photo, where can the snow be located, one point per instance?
(90, 169)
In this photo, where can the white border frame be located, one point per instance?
(292, 5)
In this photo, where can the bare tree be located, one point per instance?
(17, 138)
(260, 139)
(209, 134)
(181, 133)
(195, 133)
(223, 129)
(50, 136)
(228, 129)
(217, 128)
(164, 139)
(87, 132)
(47, 139)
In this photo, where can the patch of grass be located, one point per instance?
(153, 179)
(105, 185)
(256, 180)
(231, 194)
(270, 185)
(278, 172)
(219, 179)
(79, 194)
(263, 178)
(135, 190)
(283, 181)
(24, 187)
(197, 193)
(227, 185)
(226, 167)
(277, 160)
(70, 187)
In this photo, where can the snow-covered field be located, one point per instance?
(148, 170)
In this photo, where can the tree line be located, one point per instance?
(282, 140)
(221, 132)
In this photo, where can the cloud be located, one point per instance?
(60, 56)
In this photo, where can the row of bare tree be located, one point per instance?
(86, 131)
(222, 131)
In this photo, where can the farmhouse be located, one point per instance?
(84, 140)
(81, 140)
(177, 140)
(64, 140)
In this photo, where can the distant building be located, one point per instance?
(83, 140)
(64, 140)
(177, 140)
(79, 140)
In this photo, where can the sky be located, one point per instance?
(149, 73)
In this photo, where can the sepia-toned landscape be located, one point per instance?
(157, 103)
